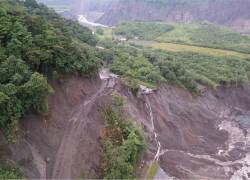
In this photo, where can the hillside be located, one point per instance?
(36, 42)
(144, 100)
(231, 13)
(73, 8)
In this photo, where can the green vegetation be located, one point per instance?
(186, 69)
(131, 63)
(192, 56)
(153, 169)
(207, 35)
(193, 69)
(35, 42)
(124, 143)
(9, 171)
(100, 31)
(203, 35)
(59, 5)
(142, 30)
(195, 49)
(105, 37)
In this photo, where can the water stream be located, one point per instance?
(161, 174)
(148, 105)
(83, 20)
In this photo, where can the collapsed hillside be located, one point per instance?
(232, 13)
(189, 136)
(200, 137)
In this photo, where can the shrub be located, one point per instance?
(123, 143)
(9, 171)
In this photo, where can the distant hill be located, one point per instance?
(231, 13)
(79, 6)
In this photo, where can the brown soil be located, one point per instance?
(201, 137)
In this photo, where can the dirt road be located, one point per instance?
(68, 148)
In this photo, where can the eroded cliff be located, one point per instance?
(203, 136)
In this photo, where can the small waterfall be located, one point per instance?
(148, 105)
(161, 174)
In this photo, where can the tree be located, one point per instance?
(35, 92)
(14, 70)
(5, 28)
(21, 40)
(10, 106)
(34, 40)
(31, 3)
(100, 31)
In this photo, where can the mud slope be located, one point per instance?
(191, 137)
(197, 137)
(65, 144)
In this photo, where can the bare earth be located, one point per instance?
(204, 137)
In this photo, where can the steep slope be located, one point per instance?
(199, 137)
(65, 144)
(232, 13)
(36, 44)
(190, 136)
(202, 137)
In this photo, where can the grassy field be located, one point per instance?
(189, 48)
(196, 49)
(207, 35)
(202, 35)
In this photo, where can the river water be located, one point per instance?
(83, 20)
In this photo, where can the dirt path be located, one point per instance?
(68, 148)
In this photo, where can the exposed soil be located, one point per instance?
(200, 137)
(65, 144)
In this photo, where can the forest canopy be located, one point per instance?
(35, 41)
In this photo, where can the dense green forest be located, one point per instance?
(35, 43)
